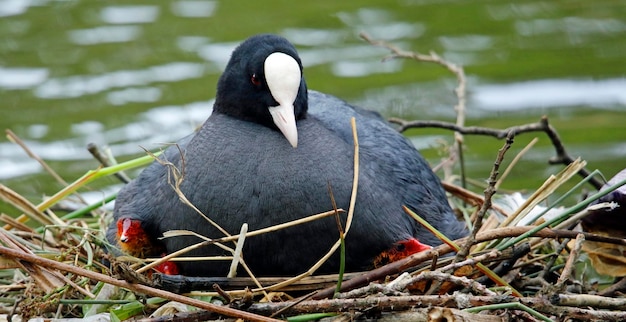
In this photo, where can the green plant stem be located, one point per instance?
(88, 177)
(566, 195)
(83, 211)
(574, 209)
(342, 264)
(310, 317)
(514, 305)
(92, 175)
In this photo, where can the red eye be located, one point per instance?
(255, 80)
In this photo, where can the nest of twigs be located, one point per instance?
(522, 261)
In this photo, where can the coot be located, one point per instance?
(267, 155)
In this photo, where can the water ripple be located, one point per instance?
(129, 14)
(22, 78)
(194, 8)
(550, 93)
(104, 34)
(76, 86)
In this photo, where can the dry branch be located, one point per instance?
(50, 264)
(562, 157)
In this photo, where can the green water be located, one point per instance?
(127, 74)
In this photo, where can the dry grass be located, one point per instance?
(59, 271)
(518, 262)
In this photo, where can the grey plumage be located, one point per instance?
(239, 170)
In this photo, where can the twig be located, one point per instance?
(460, 90)
(418, 258)
(515, 160)
(105, 161)
(471, 197)
(382, 303)
(372, 288)
(589, 300)
(548, 266)
(191, 316)
(619, 286)
(489, 192)
(138, 288)
(15, 139)
(559, 287)
(562, 157)
(511, 306)
(508, 263)
(222, 293)
(473, 260)
(444, 277)
(461, 301)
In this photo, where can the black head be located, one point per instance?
(253, 82)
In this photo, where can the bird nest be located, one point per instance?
(521, 261)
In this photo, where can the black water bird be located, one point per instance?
(238, 168)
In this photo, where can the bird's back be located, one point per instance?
(398, 166)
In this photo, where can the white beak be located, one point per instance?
(285, 119)
(283, 76)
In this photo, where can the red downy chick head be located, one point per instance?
(132, 238)
(400, 250)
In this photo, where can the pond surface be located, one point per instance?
(132, 74)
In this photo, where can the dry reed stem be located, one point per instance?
(471, 197)
(30, 211)
(138, 288)
(209, 241)
(16, 139)
(546, 189)
(232, 272)
(178, 176)
(514, 162)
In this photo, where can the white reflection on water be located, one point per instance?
(328, 46)
(14, 7)
(467, 42)
(76, 86)
(217, 53)
(194, 8)
(16, 167)
(156, 127)
(21, 78)
(104, 34)
(128, 95)
(191, 43)
(550, 94)
(37, 131)
(153, 129)
(314, 37)
(380, 24)
(129, 14)
(510, 11)
(569, 25)
(432, 100)
(359, 68)
(325, 55)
